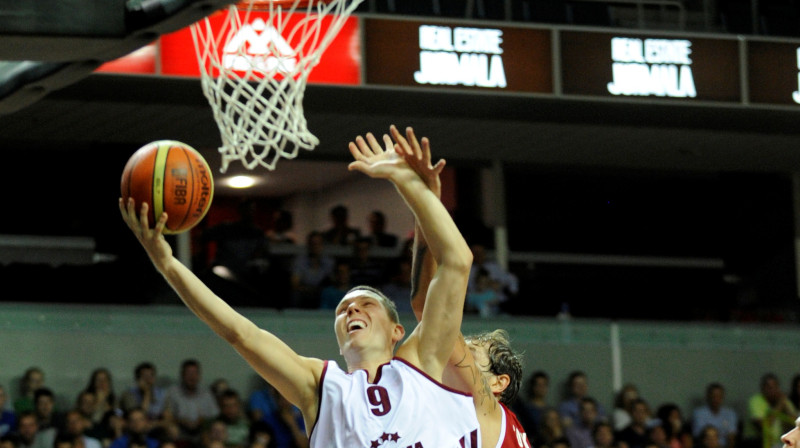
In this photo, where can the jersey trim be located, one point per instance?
(449, 389)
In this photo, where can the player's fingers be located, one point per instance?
(412, 139)
(398, 138)
(355, 151)
(364, 147)
(437, 169)
(388, 143)
(375, 147)
(143, 221)
(162, 222)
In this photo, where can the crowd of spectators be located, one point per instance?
(189, 413)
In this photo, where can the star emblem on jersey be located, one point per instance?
(383, 439)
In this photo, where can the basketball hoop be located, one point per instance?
(255, 59)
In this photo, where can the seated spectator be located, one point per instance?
(603, 436)
(580, 432)
(378, 236)
(676, 429)
(8, 418)
(214, 435)
(30, 436)
(708, 438)
(551, 432)
(32, 379)
(714, 413)
(365, 269)
(530, 408)
(340, 233)
(284, 419)
(636, 434)
(340, 283)
(135, 433)
(189, 404)
(145, 394)
(483, 299)
(100, 384)
(770, 414)
(282, 225)
(74, 427)
(309, 271)
(232, 414)
(622, 406)
(505, 283)
(577, 387)
(44, 401)
(398, 288)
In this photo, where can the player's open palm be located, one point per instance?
(152, 240)
(418, 157)
(373, 159)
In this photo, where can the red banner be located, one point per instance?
(340, 62)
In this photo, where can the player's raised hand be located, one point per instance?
(151, 239)
(375, 160)
(418, 157)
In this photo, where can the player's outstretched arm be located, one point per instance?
(294, 376)
(430, 345)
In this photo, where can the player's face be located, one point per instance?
(792, 438)
(361, 320)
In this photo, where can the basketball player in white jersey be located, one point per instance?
(483, 365)
(387, 398)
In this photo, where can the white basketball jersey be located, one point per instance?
(403, 408)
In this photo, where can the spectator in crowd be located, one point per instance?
(378, 236)
(636, 434)
(580, 432)
(530, 408)
(676, 428)
(603, 436)
(504, 282)
(577, 387)
(709, 437)
(214, 435)
(551, 432)
(309, 271)
(340, 233)
(284, 419)
(335, 290)
(145, 394)
(100, 384)
(32, 379)
(44, 402)
(241, 247)
(189, 404)
(30, 435)
(217, 388)
(260, 436)
(717, 415)
(75, 425)
(8, 418)
(398, 286)
(770, 414)
(623, 400)
(483, 299)
(365, 268)
(282, 228)
(231, 413)
(658, 437)
(135, 434)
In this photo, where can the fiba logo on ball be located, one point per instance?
(172, 178)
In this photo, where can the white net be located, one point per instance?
(254, 67)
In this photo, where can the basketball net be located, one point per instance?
(254, 70)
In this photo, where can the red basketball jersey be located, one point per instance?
(513, 435)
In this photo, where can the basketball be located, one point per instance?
(170, 177)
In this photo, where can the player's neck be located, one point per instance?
(371, 364)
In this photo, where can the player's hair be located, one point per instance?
(391, 308)
(502, 360)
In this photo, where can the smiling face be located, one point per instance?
(363, 323)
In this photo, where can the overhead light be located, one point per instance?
(241, 181)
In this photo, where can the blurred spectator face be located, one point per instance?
(715, 397)
(87, 403)
(191, 377)
(34, 380)
(588, 413)
(541, 385)
(231, 408)
(148, 376)
(771, 390)
(710, 437)
(137, 422)
(579, 386)
(640, 413)
(75, 423)
(658, 436)
(604, 436)
(27, 428)
(44, 406)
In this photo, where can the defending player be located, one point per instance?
(381, 399)
(483, 365)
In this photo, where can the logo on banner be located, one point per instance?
(460, 56)
(259, 47)
(657, 67)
